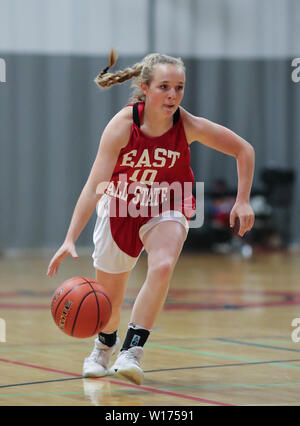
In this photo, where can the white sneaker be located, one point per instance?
(96, 365)
(127, 365)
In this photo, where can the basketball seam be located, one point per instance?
(77, 312)
(98, 307)
(73, 288)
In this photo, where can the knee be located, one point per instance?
(162, 269)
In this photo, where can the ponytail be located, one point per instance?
(106, 79)
(141, 72)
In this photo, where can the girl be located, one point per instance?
(143, 151)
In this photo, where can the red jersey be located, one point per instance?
(152, 175)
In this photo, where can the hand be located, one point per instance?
(243, 211)
(65, 250)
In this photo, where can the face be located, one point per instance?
(166, 88)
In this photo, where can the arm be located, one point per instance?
(114, 138)
(224, 140)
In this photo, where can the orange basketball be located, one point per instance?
(80, 307)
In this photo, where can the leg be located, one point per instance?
(115, 286)
(97, 364)
(163, 244)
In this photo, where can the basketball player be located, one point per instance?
(145, 145)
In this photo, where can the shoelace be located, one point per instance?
(129, 356)
(99, 353)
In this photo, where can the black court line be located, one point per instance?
(258, 345)
(154, 371)
(41, 382)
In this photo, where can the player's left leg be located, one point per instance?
(163, 244)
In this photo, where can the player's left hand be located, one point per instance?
(245, 215)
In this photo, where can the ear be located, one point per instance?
(144, 88)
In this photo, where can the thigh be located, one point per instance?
(165, 241)
(110, 254)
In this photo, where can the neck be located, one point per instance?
(155, 121)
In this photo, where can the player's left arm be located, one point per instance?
(224, 140)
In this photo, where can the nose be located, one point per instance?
(172, 93)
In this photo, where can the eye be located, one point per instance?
(163, 86)
(180, 88)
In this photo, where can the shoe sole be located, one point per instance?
(91, 374)
(133, 375)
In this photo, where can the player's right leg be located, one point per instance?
(107, 342)
(113, 268)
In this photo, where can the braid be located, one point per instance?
(141, 72)
(109, 79)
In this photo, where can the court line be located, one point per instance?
(285, 298)
(192, 351)
(155, 371)
(24, 364)
(241, 364)
(41, 382)
(144, 388)
(165, 388)
(241, 385)
(59, 393)
(259, 345)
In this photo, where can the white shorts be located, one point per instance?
(107, 255)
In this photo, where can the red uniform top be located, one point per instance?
(152, 175)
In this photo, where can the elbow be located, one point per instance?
(246, 150)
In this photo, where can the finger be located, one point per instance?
(54, 264)
(74, 254)
(51, 270)
(243, 226)
(250, 222)
(232, 219)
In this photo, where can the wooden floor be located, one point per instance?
(223, 338)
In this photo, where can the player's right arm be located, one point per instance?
(114, 138)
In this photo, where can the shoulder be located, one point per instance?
(194, 126)
(119, 127)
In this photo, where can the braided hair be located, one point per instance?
(142, 72)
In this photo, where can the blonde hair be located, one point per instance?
(142, 72)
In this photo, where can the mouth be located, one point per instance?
(169, 107)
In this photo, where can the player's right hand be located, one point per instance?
(67, 249)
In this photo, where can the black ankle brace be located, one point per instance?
(108, 339)
(136, 336)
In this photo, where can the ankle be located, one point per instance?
(136, 337)
(108, 339)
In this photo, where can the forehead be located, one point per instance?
(168, 72)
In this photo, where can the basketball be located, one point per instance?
(80, 307)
